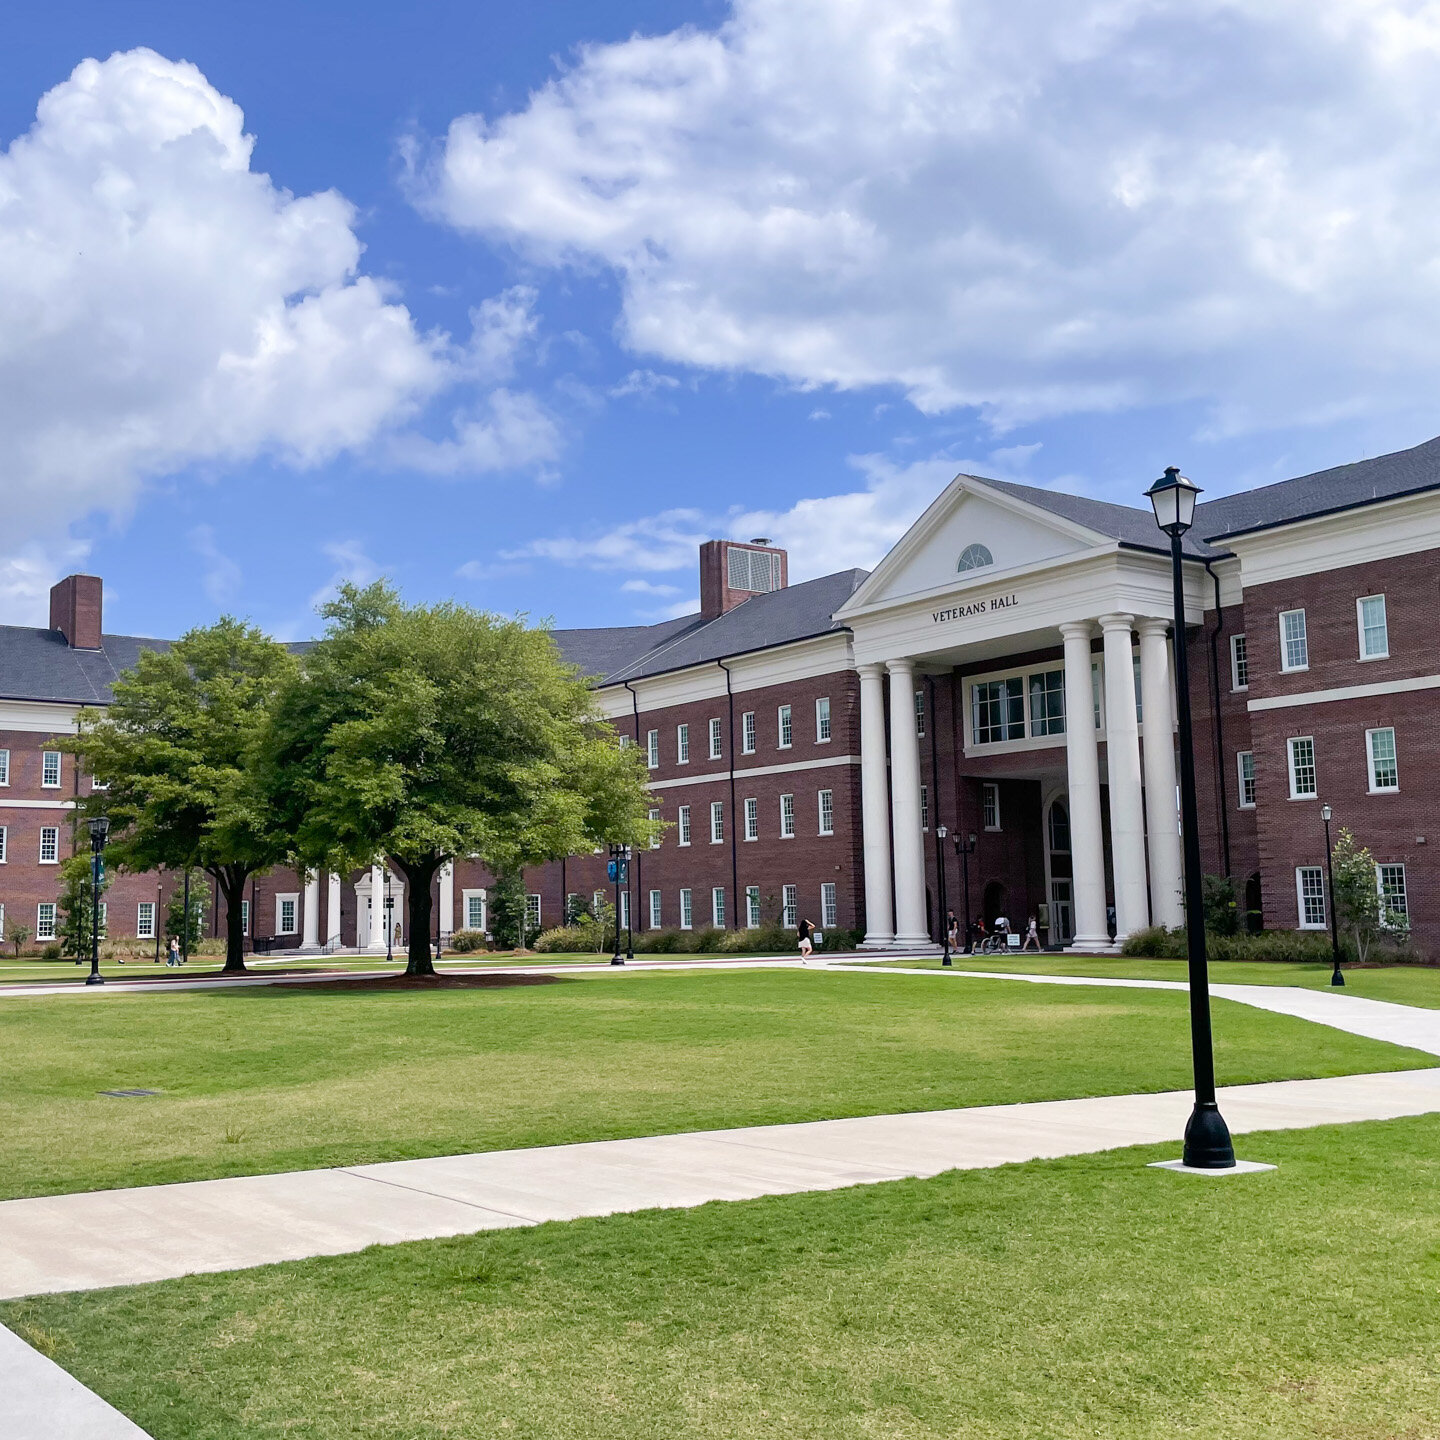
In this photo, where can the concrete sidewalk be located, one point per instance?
(40, 1401)
(128, 1237)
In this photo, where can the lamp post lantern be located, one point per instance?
(965, 851)
(99, 826)
(941, 831)
(1336, 978)
(1207, 1137)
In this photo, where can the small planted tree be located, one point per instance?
(431, 733)
(175, 927)
(178, 751)
(1359, 906)
(74, 910)
(17, 934)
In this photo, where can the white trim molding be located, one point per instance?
(1347, 692)
(712, 776)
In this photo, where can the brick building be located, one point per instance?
(806, 741)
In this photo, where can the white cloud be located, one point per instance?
(162, 306)
(649, 587)
(645, 383)
(667, 541)
(222, 575)
(1031, 209)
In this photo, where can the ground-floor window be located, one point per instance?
(752, 907)
(687, 917)
(473, 906)
(654, 839)
(1395, 903)
(244, 917)
(990, 805)
(1310, 896)
(1301, 751)
(2, 844)
(45, 920)
(829, 909)
(287, 909)
(1245, 763)
(1062, 916)
(924, 807)
(789, 902)
(717, 907)
(827, 812)
(624, 909)
(145, 920)
(49, 844)
(654, 909)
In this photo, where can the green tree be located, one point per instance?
(429, 733)
(507, 912)
(175, 912)
(74, 909)
(17, 934)
(177, 749)
(1222, 912)
(1359, 908)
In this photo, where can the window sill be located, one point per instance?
(1293, 670)
(1242, 806)
(787, 837)
(47, 862)
(1238, 689)
(825, 834)
(1366, 659)
(824, 740)
(1313, 927)
(994, 829)
(1314, 795)
(1383, 790)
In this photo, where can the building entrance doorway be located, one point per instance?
(1061, 927)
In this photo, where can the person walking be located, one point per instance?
(1032, 935)
(952, 930)
(805, 931)
(172, 956)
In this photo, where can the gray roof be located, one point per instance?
(1325, 492)
(40, 665)
(798, 612)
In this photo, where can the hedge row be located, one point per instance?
(585, 939)
(1308, 947)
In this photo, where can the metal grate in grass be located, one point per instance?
(128, 1094)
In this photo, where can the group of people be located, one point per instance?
(1000, 934)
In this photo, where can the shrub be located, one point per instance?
(1222, 910)
(1302, 947)
(51, 952)
(465, 941)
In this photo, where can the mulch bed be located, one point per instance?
(383, 983)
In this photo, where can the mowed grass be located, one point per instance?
(1401, 984)
(1048, 1301)
(290, 1077)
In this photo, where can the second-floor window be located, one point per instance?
(827, 812)
(50, 769)
(1245, 764)
(1047, 703)
(717, 821)
(654, 839)
(920, 712)
(682, 826)
(682, 744)
(49, 845)
(1294, 642)
(4, 767)
(652, 749)
(1384, 767)
(786, 728)
(747, 733)
(1374, 631)
(1239, 663)
(787, 817)
(2, 844)
(990, 805)
(1301, 752)
(752, 819)
(822, 719)
(715, 749)
(998, 710)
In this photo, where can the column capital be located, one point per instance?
(1116, 621)
(870, 669)
(1078, 630)
(1152, 625)
(900, 667)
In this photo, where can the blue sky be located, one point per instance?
(634, 274)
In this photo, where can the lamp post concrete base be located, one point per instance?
(1240, 1167)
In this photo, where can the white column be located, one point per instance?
(905, 808)
(332, 913)
(310, 918)
(447, 899)
(376, 938)
(1087, 843)
(1127, 803)
(875, 809)
(1162, 816)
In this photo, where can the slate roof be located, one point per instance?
(39, 665)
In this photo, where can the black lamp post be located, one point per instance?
(389, 920)
(1336, 978)
(965, 851)
(620, 874)
(185, 927)
(1207, 1137)
(159, 893)
(941, 831)
(99, 826)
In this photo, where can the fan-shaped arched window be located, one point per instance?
(972, 557)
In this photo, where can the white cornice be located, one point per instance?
(1346, 692)
(41, 717)
(710, 777)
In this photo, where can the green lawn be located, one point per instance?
(1049, 1301)
(258, 1079)
(1403, 984)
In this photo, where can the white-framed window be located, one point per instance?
(1135, 673)
(1294, 642)
(682, 744)
(822, 720)
(1047, 703)
(4, 767)
(747, 733)
(787, 817)
(532, 915)
(624, 910)
(752, 818)
(997, 710)
(2, 918)
(1301, 753)
(716, 750)
(1096, 699)
(287, 914)
(49, 845)
(785, 727)
(50, 769)
(1310, 897)
(655, 910)
(245, 917)
(1384, 766)
(829, 909)
(717, 907)
(1239, 663)
(827, 812)
(2, 844)
(626, 741)
(920, 712)
(687, 913)
(717, 822)
(990, 805)
(597, 903)
(752, 907)
(682, 826)
(652, 749)
(924, 807)
(104, 919)
(1374, 630)
(45, 920)
(1245, 766)
(654, 839)
(572, 907)
(1394, 900)
(789, 904)
(472, 909)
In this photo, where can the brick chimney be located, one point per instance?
(731, 573)
(75, 608)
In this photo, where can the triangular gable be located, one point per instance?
(968, 512)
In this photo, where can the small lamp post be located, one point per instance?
(1336, 978)
(1207, 1137)
(185, 926)
(389, 919)
(941, 831)
(99, 826)
(159, 895)
(619, 874)
(965, 851)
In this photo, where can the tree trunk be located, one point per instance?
(231, 882)
(418, 875)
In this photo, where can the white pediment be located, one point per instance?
(969, 514)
